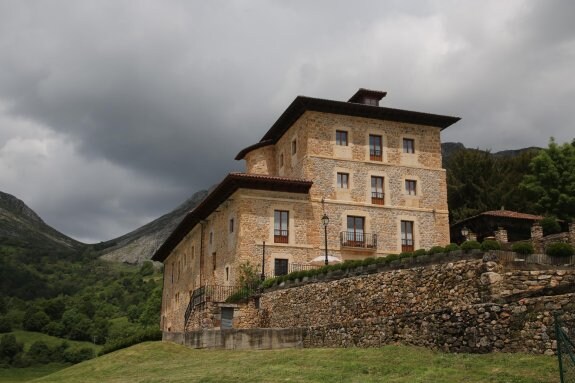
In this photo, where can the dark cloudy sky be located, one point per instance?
(114, 112)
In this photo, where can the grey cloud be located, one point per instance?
(167, 92)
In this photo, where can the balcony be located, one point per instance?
(281, 236)
(358, 240)
(375, 155)
(377, 198)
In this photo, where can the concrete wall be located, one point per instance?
(244, 339)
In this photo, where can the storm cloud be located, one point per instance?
(114, 112)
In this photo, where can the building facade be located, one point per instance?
(375, 172)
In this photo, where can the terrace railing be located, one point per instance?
(356, 239)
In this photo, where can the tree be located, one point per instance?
(10, 348)
(551, 180)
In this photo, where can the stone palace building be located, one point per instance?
(375, 172)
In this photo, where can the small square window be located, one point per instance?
(294, 147)
(280, 266)
(341, 137)
(410, 187)
(343, 180)
(408, 145)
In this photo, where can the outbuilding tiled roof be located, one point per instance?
(222, 192)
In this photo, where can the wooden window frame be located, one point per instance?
(341, 177)
(341, 138)
(374, 153)
(407, 229)
(409, 145)
(281, 235)
(411, 187)
(378, 195)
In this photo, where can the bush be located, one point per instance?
(470, 245)
(143, 335)
(550, 226)
(391, 257)
(524, 248)
(419, 252)
(490, 244)
(560, 249)
(78, 355)
(405, 254)
(36, 321)
(451, 247)
(436, 250)
(39, 353)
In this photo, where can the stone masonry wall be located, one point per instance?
(474, 304)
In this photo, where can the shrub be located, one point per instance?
(405, 254)
(391, 258)
(560, 249)
(490, 244)
(78, 355)
(524, 248)
(550, 226)
(368, 261)
(419, 252)
(144, 335)
(451, 247)
(39, 353)
(470, 245)
(436, 250)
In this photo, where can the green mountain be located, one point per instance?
(20, 226)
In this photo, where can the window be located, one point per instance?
(377, 196)
(214, 261)
(375, 148)
(193, 251)
(281, 221)
(211, 237)
(294, 147)
(410, 187)
(355, 231)
(281, 160)
(227, 273)
(406, 236)
(341, 137)
(231, 225)
(280, 266)
(408, 145)
(343, 180)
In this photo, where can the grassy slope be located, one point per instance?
(165, 362)
(29, 337)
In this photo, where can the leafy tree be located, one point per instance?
(55, 308)
(550, 226)
(35, 321)
(39, 352)
(478, 181)
(551, 180)
(10, 348)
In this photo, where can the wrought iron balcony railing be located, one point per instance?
(358, 239)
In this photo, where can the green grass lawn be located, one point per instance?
(29, 337)
(166, 362)
(10, 375)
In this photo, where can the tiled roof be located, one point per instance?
(222, 192)
(302, 104)
(512, 214)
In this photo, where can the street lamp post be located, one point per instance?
(325, 221)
